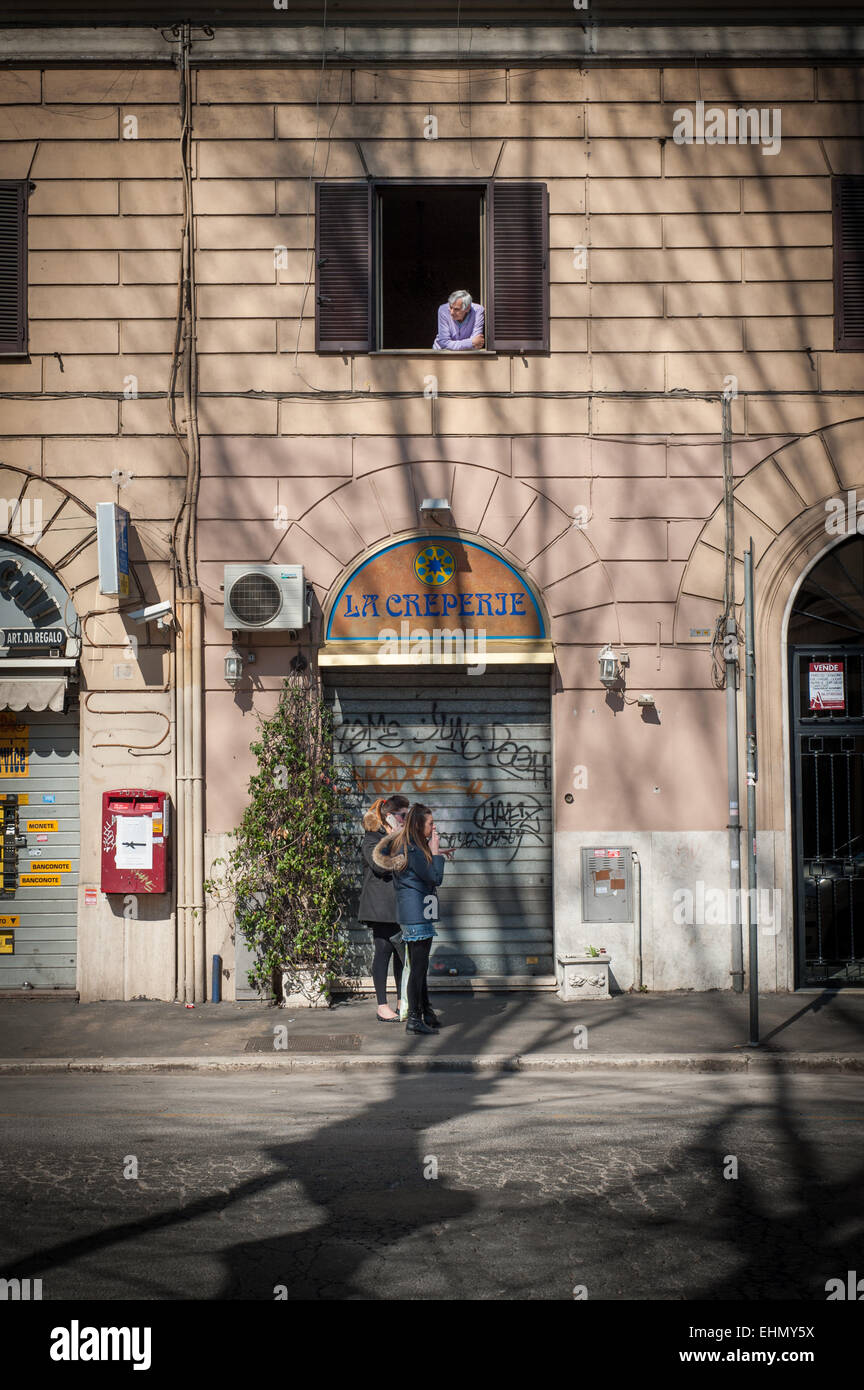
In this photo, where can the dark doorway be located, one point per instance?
(430, 245)
(826, 647)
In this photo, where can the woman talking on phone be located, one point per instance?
(413, 855)
(377, 907)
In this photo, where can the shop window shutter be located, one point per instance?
(13, 267)
(849, 263)
(519, 299)
(343, 267)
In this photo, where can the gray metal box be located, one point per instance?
(607, 884)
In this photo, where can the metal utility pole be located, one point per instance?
(730, 657)
(752, 775)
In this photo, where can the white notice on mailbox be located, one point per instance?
(134, 843)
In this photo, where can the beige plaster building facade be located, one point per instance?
(676, 283)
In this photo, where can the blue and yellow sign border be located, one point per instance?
(540, 635)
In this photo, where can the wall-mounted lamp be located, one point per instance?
(234, 664)
(610, 670)
(432, 506)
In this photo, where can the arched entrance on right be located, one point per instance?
(825, 645)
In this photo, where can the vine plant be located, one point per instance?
(291, 869)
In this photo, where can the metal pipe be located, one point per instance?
(216, 981)
(188, 820)
(752, 774)
(180, 800)
(196, 794)
(730, 655)
(637, 956)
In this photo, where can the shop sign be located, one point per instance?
(444, 584)
(112, 530)
(34, 637)
(14, 750)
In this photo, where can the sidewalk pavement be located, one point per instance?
(818, 1031)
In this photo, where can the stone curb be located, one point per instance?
(741, 1062)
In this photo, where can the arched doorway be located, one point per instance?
(39, 775)
(825, 643)
(460, 724)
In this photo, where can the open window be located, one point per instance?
(389, 252)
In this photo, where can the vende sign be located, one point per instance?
(827, 689)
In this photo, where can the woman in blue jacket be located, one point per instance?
(413, 855)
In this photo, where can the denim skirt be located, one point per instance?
(418, 931)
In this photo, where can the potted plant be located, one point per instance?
(291, 869)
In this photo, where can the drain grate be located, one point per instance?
(308, 1042)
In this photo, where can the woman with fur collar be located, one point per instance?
(413, 855)
(377, 907)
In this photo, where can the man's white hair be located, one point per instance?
(460, 294)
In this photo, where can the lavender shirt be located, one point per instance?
(456, 336)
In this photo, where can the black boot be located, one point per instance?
(431, 1018)
(416, 1024)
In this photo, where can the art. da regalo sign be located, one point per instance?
(435, 584)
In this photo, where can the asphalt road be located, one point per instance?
(324, 1187)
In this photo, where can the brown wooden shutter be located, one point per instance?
(849, 264)
(343, 267)
(519, 279)
(13, 267)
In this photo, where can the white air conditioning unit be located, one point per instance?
(261, 598)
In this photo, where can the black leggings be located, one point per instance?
(418, 964)
(384, 949)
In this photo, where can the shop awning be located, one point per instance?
(30, 692)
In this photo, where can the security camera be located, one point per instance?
(161, 611)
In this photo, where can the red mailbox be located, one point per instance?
(135, 840)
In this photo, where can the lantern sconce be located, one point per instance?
(234, 661)
(612, 667)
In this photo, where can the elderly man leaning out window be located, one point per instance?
(460, 323)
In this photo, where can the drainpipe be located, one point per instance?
(730, 653)
(191, 964)
(637, 953)
(752, 776)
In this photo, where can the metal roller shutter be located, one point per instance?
(477, 751)
(45, 757)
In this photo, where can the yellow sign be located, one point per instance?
(15, 750)
(38, 880)
(23, 797)
(34, 825)
(50, 866)
(7, 921)
(7, 944)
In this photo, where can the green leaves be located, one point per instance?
(291, 868)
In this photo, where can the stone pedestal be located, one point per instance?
(583, 977)
(304, 990)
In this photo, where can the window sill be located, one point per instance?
(430, 352)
